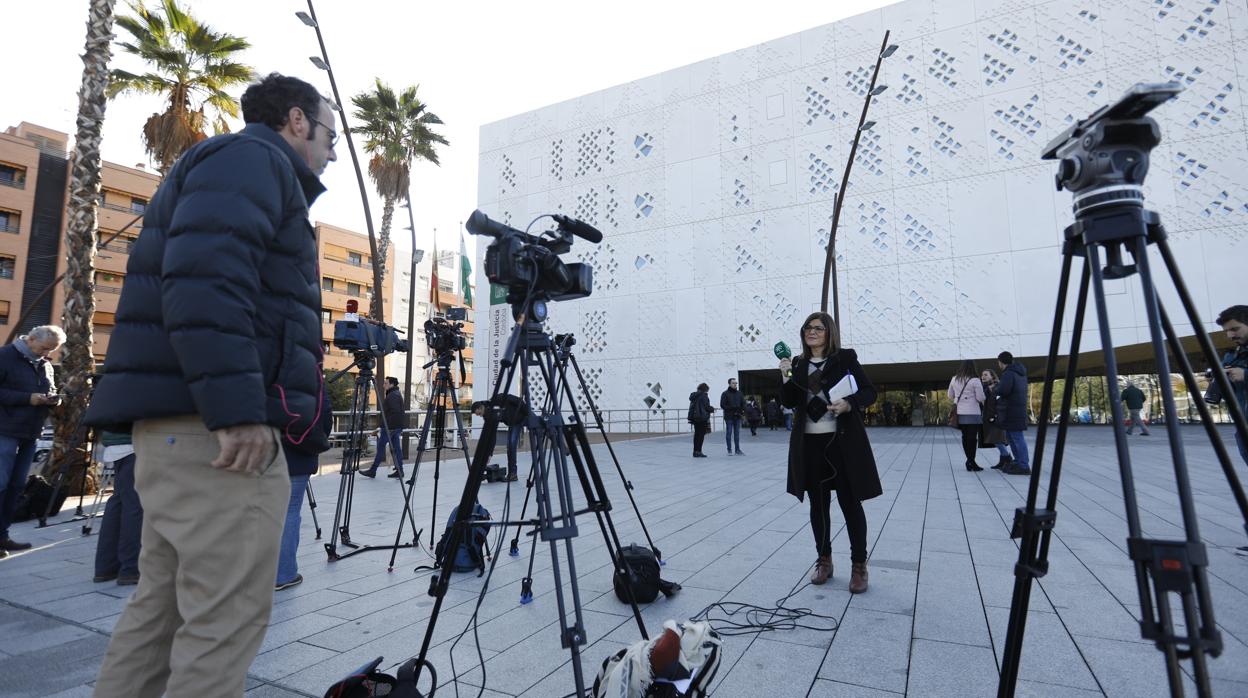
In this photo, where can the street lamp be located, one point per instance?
(322, 62)
(417, 255)
(829, 265)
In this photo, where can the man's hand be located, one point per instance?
(1235, 374)
(245, 448)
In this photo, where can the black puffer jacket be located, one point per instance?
(221, 311)
(1012, 398)
(700, 407)
(19, 379)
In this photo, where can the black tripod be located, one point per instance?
(87, 444)
(555, 440)
(443, 394)
(365, 381)
(564, 358)
(1104, 162)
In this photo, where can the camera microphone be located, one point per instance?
(581, 229)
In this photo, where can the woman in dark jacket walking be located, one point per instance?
(700, 417)
(828, 448)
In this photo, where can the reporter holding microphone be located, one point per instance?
(828, 447)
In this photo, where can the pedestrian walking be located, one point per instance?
(1133, 398)
(966, 391)
(753, 415)
(828, 448)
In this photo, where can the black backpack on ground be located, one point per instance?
(472, 552)
(646, 583)
(33, 500)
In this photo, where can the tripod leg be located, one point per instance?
(420, 452)
(307, 492)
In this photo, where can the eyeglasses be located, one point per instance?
(333, 135)
(817, 329)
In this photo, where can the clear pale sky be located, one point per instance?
(476, 62)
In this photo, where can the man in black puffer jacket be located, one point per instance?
(1012, 412)
(214, 361)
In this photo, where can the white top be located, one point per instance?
(826, 425)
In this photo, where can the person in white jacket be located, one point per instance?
(967, 393)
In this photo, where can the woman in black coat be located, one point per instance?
(828, 447)
(700, 417)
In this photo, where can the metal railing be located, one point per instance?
(15, 183)
(107, 289)
(352, 262)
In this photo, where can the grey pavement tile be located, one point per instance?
(284, 610)
(835, 689)
(870, 649)
(939, 669)
(54, 668)
(297, 628)
(85, 607)
(784, 669)
(948, 606)
(1049, 654)
(79, 691)
(1127, 669)
(289, 659)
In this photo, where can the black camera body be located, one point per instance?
(364, 335)
(444, 336)
(527, 263)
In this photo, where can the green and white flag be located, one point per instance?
(465, 270)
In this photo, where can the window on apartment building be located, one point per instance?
(10, 221)
(8, 265)
(327, 283)
(4, 312)
(138, 205)
(327, 317)
(353, 289)
(355, 258)
(446, 259)
(445, 286)
(13, 176)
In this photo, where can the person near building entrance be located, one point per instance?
(828, 448)
(732, 402)
(992, 434)
(700, 417)
(1012, 411)
(1133, 398)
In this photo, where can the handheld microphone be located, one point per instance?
(783, 351)
(581, 229)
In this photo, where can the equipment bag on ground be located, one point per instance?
(471, 554)
(646, 583)
(679, 663)
(33, 500)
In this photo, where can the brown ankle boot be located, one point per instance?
(858, 578)
(823, 570)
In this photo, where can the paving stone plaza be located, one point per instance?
(932, 623)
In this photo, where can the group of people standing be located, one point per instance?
(992, 412)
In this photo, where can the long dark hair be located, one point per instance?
(967, 370)
(832, 336)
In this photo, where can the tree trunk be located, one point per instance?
(383, 253)
(77, 359)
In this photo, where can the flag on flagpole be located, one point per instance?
(465, 271)
(433, 281)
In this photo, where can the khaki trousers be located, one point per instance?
(209, 558)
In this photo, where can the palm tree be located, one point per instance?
(192, 65)
(77, 360)
(396, 129)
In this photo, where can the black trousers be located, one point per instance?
(700, 430)
(826, 470)
(970, 440)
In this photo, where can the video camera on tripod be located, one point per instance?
(530, 265)
(360, 334)
(446, 335)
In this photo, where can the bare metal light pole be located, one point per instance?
(322, 62)
(417, 255)
(829, 271)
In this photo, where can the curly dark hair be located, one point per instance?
(1235, 312)
(269, 101)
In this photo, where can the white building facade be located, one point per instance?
(714, 184)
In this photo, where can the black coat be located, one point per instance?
(991, 433)
(732, 402)
(699, 407)
(851, 433)
(394, 409)
(753, 415)
(1012, 398)
(221, 311)
(773, 413)
(301, 462)
(19, 378)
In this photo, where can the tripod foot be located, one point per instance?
(526, 590)
(515, 550)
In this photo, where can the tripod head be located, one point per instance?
(1104, 158)
(364, 360)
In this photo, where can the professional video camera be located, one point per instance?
(527, 263)
(358, 334)
(446, 334)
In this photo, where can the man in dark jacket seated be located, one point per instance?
(26, 395)
(214, 364)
